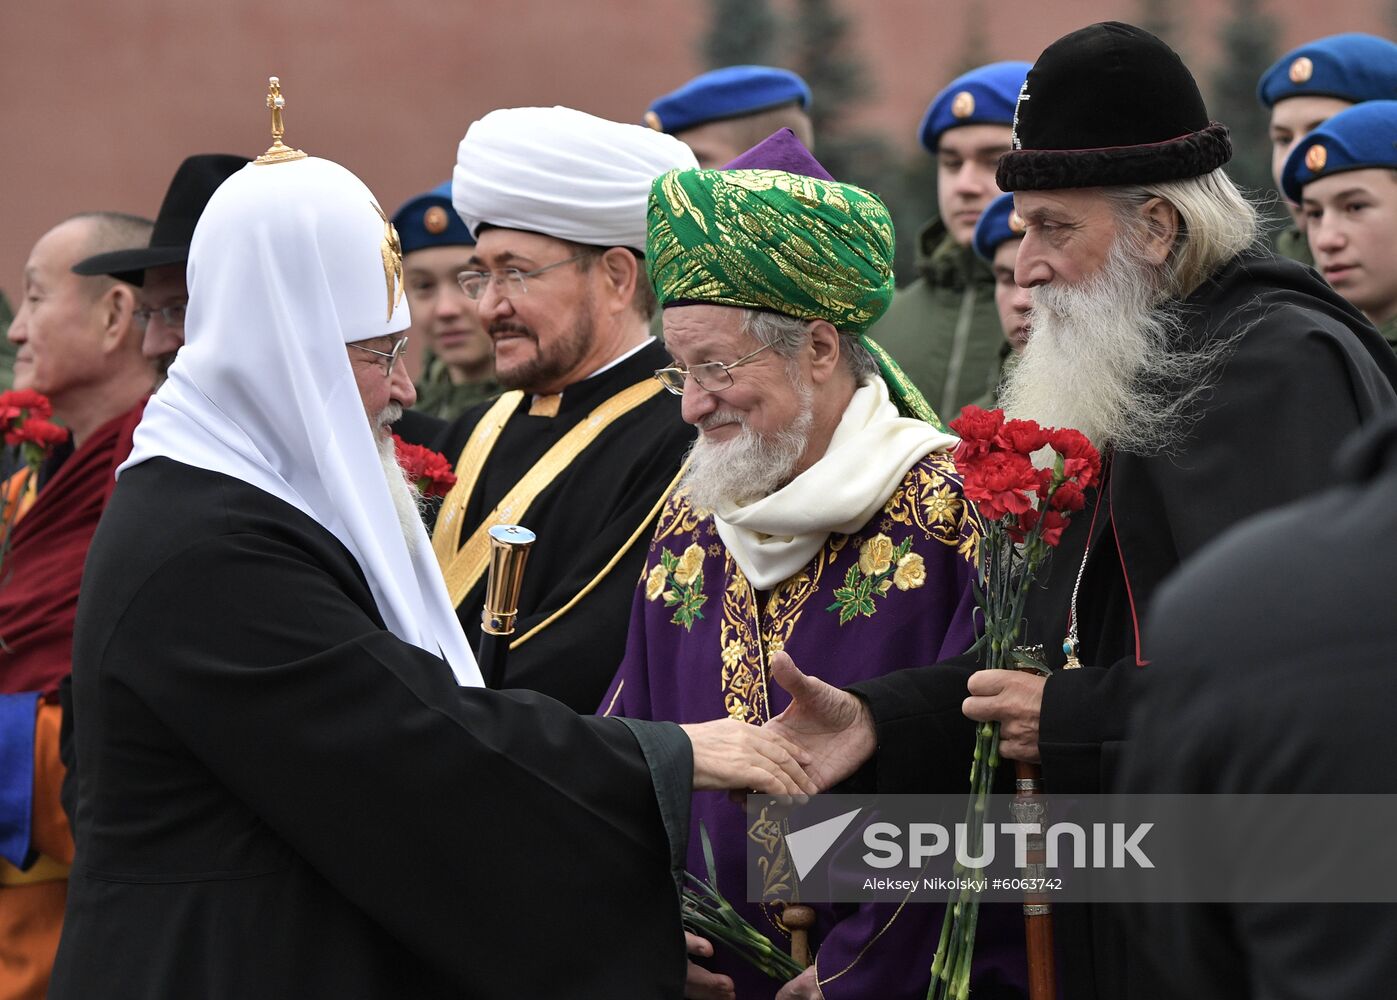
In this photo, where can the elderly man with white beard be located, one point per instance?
(1218, 382)
(813, 517)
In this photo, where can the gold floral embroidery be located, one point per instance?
(872, 576)
(677, 517)
(769, 834)
(689, 566)
(750, 634)
(655, 582)
(929, 499)
(875, 555)
(910, 573)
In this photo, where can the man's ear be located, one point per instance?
(621, 270)
(824, 350)
(1162, 229)
(117, 308)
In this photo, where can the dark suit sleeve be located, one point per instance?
(924, 741)
(355, 747)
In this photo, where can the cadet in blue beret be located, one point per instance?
(997, 237)
(458, 368)
(724, 113)
(1310, 84)
(1344, 175)
(943, 327)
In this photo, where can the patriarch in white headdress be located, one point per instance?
(291, 263)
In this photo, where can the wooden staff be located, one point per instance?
(798, 919)
(1030, 807)
(509, 550)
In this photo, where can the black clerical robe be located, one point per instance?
(593, 520)
(1273, 674)
(279, 798)
(1305, 371)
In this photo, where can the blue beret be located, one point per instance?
(984, 96)
(1351, 67)
(429, 221)
(1359, 137)
(997, 224)
(726, 93)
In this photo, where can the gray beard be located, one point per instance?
(407, 501)
(729, 474)
(1103, 357)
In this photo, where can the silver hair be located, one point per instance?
(1216, 223)
(787, 335)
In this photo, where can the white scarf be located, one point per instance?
(868, 456)
(563, 173)
(288, 264)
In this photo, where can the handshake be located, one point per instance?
(824, 736)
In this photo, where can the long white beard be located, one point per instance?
(727, 474)
(407, 500)
(1102, 358)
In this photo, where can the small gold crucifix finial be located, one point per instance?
(277, 152)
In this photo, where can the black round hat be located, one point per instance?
(194, 183)
(1110, 104)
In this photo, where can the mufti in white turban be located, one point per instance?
(290, 262)
(562, 173)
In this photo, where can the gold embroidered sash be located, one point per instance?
(464, 565)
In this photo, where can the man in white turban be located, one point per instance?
(289, 781)
(585, 446)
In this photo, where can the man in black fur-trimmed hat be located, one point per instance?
(1216, 380)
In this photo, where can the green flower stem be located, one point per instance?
(1008, 570)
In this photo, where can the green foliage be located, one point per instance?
(740, 32)
(1248, 49)
(1157, 17)
(686, 598)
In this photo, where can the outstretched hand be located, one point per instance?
(735, 756)
(833, 728)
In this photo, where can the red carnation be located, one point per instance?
(428, 469)
(1001, 483)
(1069, 497)
(1022, 436)
(976, 428)
(1081, 461)
(16, 402)
(977, 424)
(1053, 523)
(38, 432)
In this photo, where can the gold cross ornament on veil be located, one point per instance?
(277, 152)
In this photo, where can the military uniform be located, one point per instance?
(1291, 243)
(438, 396)
(943, 328)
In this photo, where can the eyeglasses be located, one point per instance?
(389, 359)
(508, 281)
(172, 315)
(713, 376)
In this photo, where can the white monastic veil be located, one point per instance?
(289, 263)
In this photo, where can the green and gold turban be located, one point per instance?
(768, 239)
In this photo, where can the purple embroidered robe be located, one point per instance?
(895, 594)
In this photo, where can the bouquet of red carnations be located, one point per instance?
(428, 469)
(24, 421)
(1025, 508)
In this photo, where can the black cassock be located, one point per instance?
(1274, 674)
(593, 523)
(279, 798)
(1307, 371)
